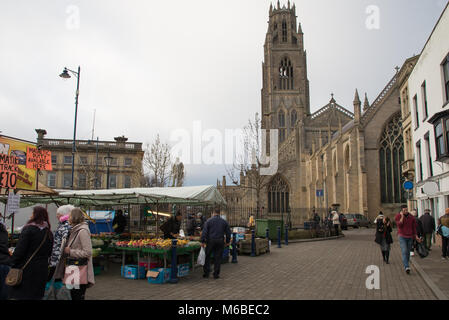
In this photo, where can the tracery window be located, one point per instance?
(284, 31)
(278, 195)
(391, 155)
(294, 117)
(281, 126)
(286, 74)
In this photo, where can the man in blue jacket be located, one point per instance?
(213, 239)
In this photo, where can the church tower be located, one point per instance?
(285, 93)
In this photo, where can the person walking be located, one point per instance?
(383, 237)
(419, 231)
(406, 224)
(443, 222)
(78, 249)
(35, 238)
(5, 260)
(191, 225)
(336, 221)
(202, 219)
(316, 222)
(379, 217)
(119, 222)
(172, 226)
(60, 237)
(213, 239)
(428, 224)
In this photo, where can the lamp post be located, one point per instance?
(65, 74)
(108, 160)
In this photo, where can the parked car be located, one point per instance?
(357, 220)
(343, 222)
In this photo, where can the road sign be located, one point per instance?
(408, 185)
(320, 193)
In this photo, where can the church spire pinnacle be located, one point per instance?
(357, 110)
(366, 103)
(279, 5)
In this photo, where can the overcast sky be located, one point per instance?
(151, 67)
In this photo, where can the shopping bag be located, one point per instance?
(202, 257)
(422, 250)
(56, 291)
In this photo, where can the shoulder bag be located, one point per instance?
(14, 277)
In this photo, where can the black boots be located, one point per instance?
(386, 256)
(383, 255)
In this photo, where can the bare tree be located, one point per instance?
(250, 162)
(160, 171)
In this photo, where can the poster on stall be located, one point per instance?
(13, 203)
(38, 159)
(15, 150)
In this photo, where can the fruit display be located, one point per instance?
(152, 243)
(96, 252)
(97, 242)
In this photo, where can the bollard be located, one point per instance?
(253, 243)
(268, 234)
(286, 235)
(234, 248)
(279, 237)
(174, 268)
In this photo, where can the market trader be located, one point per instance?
(213, 238)
(172, 226)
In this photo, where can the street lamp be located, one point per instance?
(108, 160)
(65, 75)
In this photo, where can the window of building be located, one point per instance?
(445, 66)
(391, 155)
(54, 159)
(420, 176)
(442, 137)
(278, 195)
(82, 182)
(284, 31)
(114, 162)
(128, 162)
(113, 181)
(429, 155)
(294, 117)
(424, 100)
(67, 181)
(83, 160)
(67, 159)
(127, 182)
(51, 179)
(415, 105)
(286, 75)
(281, 116)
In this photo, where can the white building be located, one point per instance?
(429, 99)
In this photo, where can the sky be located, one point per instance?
(158, 67)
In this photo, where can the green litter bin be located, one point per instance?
(263, 224)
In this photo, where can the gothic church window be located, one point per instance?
(284, 31)
(294, 117)
(281, 126)
(286, 75)
(391, 155)
(278, 195)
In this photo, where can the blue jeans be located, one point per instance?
(406, 247)
(3, 287)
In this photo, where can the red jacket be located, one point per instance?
(406, 229)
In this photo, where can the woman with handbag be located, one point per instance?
(78, 257)
(29, 272)
(384, 238)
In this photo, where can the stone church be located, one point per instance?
(329, 157)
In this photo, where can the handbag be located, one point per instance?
(75, 271)
(14, 277)
(422, 250)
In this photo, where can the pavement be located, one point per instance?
(321, 270)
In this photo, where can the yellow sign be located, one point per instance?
(26, 178)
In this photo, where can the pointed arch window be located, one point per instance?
(294, 118)
(281, 119)
(286, 75)
(284, 31)
(278, 195)
(391, 155)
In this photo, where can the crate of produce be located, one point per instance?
(133, 272)
(183, 270)
(158, 275)
(261, 247)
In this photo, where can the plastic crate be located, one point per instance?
(130, 272)
(153, 265)
(163, 276)
(183, 270)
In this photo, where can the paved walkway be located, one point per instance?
(333, 269)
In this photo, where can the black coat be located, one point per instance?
(383, 232)
(171, 226)
(428, 223)
(35, 274)
(120, 221)
(419, 228)
(5, 258)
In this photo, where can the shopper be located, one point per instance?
(119, 222)
(384, 238)
(78, 248)
(60, 237)
(379, 217)
(191, 225)
(35, 238)
(5, 260)
(172, 226)
(336, 221)
(202, 220)
(406, 224)
(213, 239)
(419, 231)
(251, 222)
(444, 223)
(428, 224)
